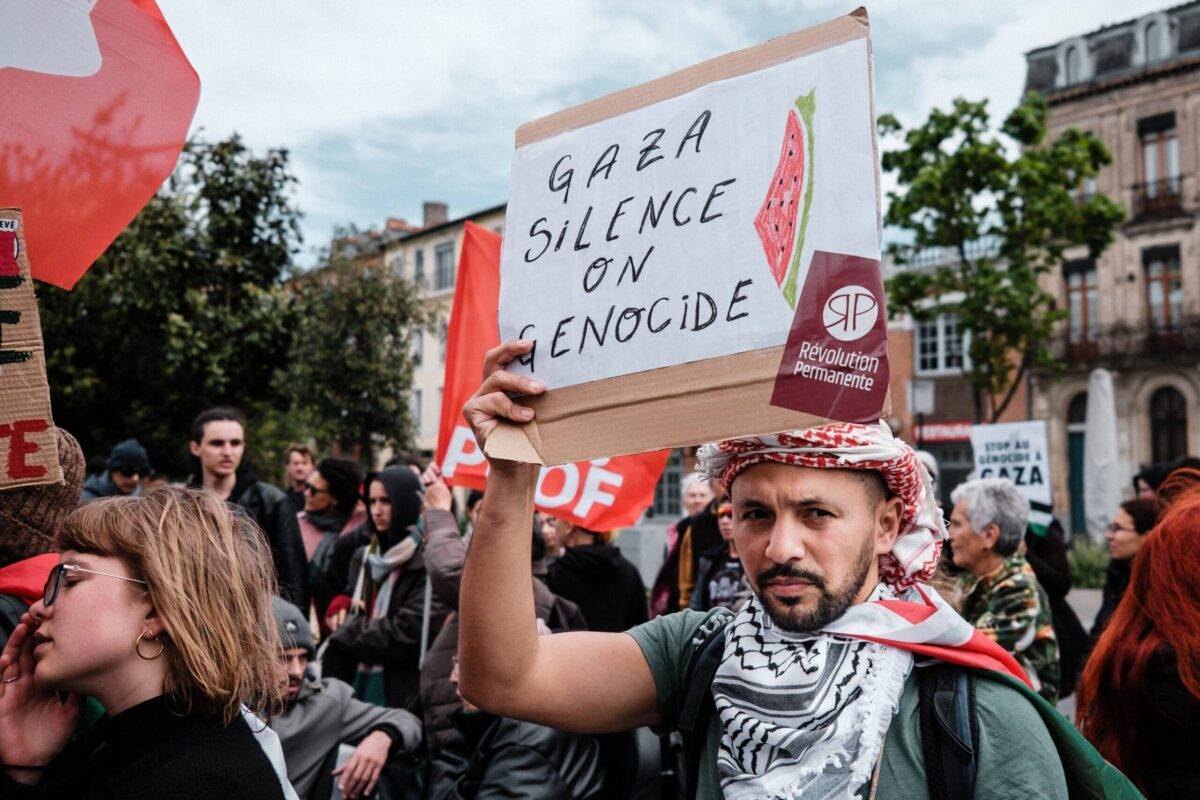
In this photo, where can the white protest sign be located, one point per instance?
(1020, 452)
(697, 257)
(632, 242)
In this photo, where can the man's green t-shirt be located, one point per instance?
(1017, 757)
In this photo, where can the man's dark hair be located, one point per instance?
(539, 544)
(876, 486)
(405, 460)
(473, 499)
(218, 414)
(344, 477)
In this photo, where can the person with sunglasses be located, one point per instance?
(128, 465)
(1124, 536)
(159, 609)
(720, 577)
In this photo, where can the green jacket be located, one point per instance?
(1027, 749)
(1010, 608)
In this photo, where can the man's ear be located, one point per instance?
(195, 448)
(990, 534)
(887, 524)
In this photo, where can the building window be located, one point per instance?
(939, 346)
(398, 264)
(1164, 288)
(1168, 425)
(1083, 296)
(444, 264)
(415, 408)
(419, 267)
(418, 346)
(1071, 65)
(1154, 48)
(667, 492)
(1160, 155)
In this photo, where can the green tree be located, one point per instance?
(186, 309)
(352, 362)
(960, 185)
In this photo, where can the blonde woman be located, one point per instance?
(159, 609)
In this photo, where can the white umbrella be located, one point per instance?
(1102, 482)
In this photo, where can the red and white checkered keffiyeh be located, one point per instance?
(845, 445)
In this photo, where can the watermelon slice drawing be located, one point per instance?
(783, 218)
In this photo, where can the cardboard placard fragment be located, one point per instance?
(28, 447)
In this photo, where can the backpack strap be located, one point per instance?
(698, 704)
(949, 730)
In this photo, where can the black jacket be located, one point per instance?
(1168, 729)
(393, 639)
(1047, 554)
(445, 554)
(495, 757)
(604, 584)
(150, 751)
(273, 512)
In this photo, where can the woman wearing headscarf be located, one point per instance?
(377, 646)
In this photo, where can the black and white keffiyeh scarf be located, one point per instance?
(803, 715)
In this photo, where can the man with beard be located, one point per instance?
(817, 690)
(320, 716)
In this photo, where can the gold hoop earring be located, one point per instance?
(137, 647)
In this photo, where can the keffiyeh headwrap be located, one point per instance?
(846, 445)
(806, 714)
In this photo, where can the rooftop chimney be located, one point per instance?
(433, 214)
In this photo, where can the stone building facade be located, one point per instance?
(1136, 309)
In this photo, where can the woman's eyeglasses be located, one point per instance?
(54, 580)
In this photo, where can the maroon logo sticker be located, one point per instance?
(835, 363)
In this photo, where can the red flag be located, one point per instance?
(600, 494)
(95, 102)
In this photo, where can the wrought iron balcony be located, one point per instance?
(1124, 346)
(1157, 199)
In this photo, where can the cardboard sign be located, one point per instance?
(28, 448)
(1020, 452)
(599, 494)
(97, 99)
(665, 240)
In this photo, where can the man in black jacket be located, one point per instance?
(593, 575)
(218, 441)
(490, 757)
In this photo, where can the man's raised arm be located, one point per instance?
(586, 682)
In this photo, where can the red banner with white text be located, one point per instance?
(97, 98)
(601, 494)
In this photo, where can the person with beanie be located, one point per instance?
(128, 464)
(593, 575)
(331, 508)
(29, 519)
(325, 732)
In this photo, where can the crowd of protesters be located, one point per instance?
(369, 634)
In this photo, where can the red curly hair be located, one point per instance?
(1159, 614)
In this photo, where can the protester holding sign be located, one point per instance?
(790, 494)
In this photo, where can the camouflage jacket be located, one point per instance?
(1010, 607)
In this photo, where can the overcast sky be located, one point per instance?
(386, 104)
